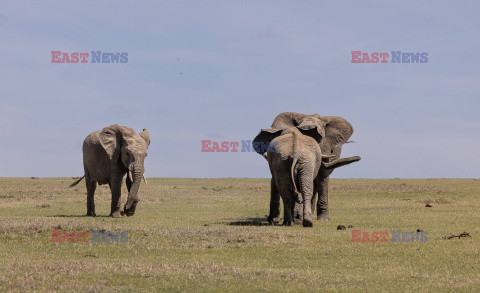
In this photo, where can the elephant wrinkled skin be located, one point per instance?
(108, 155)
(294, 160)
(330, 132)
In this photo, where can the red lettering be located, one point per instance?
(215, 147)
(75, 57)
(355, 55)
(65, 58)
(374, 237)
(356, 236)
(384, 57)
(84, 236)
(365, 237)
(384, 236)
(205, 146)
(224, 146)
(64, 237)
(73, 237)
(84, 57)
(55, 234)
(365, 58)
(234, 145)
(55, 59)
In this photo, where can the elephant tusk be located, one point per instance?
(145, 179)
(130, 175)
(328, 156)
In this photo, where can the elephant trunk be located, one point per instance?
(132, 200)
(341, 162)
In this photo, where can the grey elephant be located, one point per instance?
(108, 155)
(294, 160)
(330, 132)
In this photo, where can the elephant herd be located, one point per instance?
(303, 150)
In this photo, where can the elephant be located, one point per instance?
(108, 155)
(330, 132)
(294, 160)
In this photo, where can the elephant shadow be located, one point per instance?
(250, 222)
(76, 216)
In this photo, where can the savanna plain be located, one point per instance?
(211, 235)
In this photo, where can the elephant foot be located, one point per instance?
(116, 214)
(273, 220)
(91, 214)
(287, 223)
(130, 212)
(324, 217)
(298, 212)
(297, 221)
(307, 223)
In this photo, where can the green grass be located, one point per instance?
(210, 235)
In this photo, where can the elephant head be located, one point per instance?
(334, 131)
(262, 141)
(330, 132)
(126, 148)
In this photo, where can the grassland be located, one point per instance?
(210, 235)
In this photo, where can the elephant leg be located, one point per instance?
(91, 186)
(297, 212)
(306, 188)
(274, 215)
(116, 188)
(314, 196)
(287, 210)
(322, 204)
(129, 184)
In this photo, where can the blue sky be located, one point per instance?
(222, 70)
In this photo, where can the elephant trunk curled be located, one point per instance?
(136, 171)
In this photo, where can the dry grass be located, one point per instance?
(211, 235)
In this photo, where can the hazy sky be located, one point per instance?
(222, 70)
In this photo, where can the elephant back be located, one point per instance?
(287, 119)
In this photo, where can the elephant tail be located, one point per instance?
(297, 195)
(76, 182)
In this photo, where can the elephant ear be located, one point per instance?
(111, 140)
(144, 134)
(287, 119)
(262, 140)
(337, 130)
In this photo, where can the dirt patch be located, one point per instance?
(433, 200)
(43, 206)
